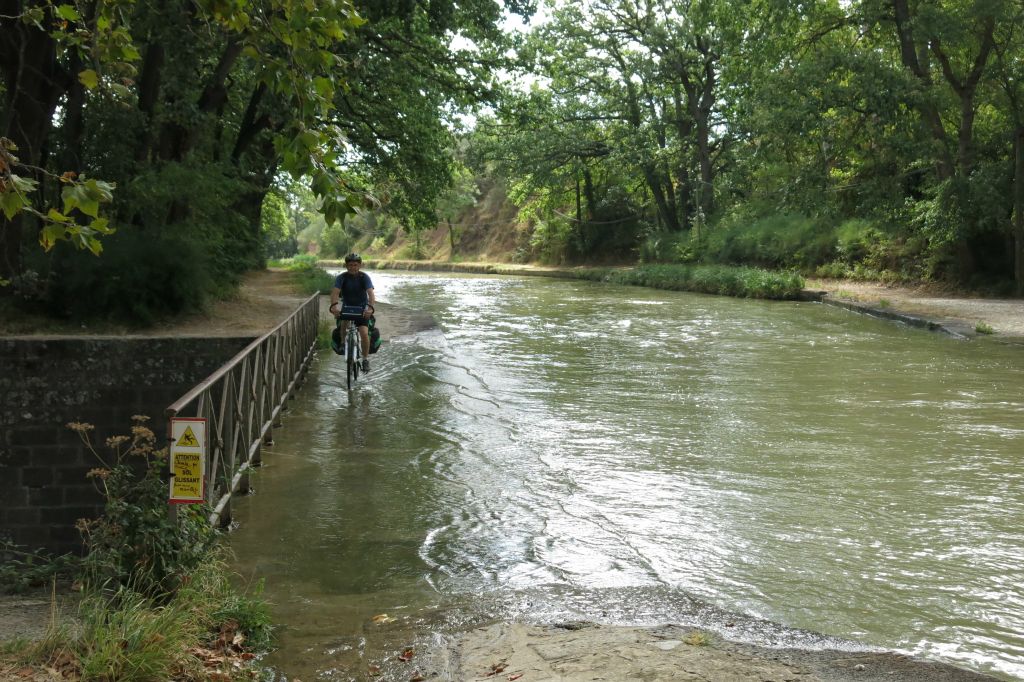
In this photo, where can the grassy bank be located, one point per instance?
(308, 276)
(206, 629)
(721, 280)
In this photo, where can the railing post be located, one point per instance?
(172, 509)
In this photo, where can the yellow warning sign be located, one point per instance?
(188, 439)
(188, 460)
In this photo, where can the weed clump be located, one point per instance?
(159, 600)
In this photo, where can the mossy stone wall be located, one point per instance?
(46, 383)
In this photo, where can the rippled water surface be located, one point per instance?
(563, 450)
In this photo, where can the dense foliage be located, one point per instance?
(153, 132)
(865, 138)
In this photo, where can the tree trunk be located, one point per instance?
(149, 92)
(590, 195)
(579, 207)
(916, 64)
(1018, 210)
(33, 83)
(703, 120)
(684, 128)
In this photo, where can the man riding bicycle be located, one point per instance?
(355, 290)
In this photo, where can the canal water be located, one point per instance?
(562, 450)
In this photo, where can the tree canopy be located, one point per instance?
(894, 124)
(169, 122)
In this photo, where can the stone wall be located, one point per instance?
(46, 383)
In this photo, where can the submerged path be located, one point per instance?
(491, 474)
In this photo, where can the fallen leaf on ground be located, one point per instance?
(417, 678)
(374, 670)
(406, 655)
(497, 668)
(513, 678)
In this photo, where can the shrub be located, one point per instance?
(710, 279)
(22, 570)
(135, 541)
(776, 241)
(204, 630)
(139, 278)
(158, 602)
(126, 636)
(669, 247)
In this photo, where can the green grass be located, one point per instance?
(984, 328)
(724, 280)
(124, 635)
(323, 333)
(309, 277)
(697, 638)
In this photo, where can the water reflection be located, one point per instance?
(568, 449)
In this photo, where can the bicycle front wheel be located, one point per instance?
(351, 364)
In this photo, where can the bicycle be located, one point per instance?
(353, 353)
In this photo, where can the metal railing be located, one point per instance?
(242, 401)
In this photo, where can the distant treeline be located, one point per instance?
(864, 139)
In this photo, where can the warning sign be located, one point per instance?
(188, 460)
(188, 439)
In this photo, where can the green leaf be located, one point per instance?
(89, 78)
(23, 185)
(100, 190)
(130, 53)
(102, 225)
(57, 217)
(67, 12)
(34, 16)
(121, 91)
(324, 87)
(51, 234)
(83, 197)
(11, 203)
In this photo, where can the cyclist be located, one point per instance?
(354, 288)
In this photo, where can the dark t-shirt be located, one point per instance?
(353, 288)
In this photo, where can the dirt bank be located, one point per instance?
(959, 314)
(585, 652)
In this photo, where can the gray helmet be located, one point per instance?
(353, 258)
